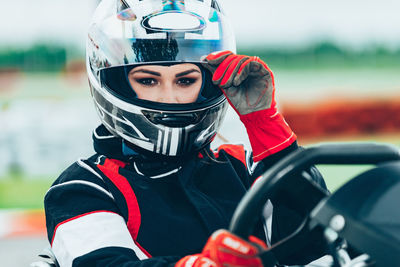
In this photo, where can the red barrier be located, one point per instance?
(22, 223)
(344, 117)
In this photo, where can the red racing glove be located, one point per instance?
(223, 249)
(249, 86)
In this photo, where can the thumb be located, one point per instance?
(208, 66)
(213, 60)
(216, 58)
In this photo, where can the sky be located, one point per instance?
(272, 23)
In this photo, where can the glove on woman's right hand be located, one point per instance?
(224, 249)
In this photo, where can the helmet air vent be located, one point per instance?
(173, 119)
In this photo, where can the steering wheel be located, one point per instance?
(250, 207)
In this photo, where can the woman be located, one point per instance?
(154, 192)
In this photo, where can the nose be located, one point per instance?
(168, 95)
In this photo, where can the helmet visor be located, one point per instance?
(118, 82)
(156, 31)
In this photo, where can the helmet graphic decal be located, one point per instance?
(173, 5)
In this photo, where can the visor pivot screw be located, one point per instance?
(337, 223)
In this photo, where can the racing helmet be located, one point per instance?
(127, 33)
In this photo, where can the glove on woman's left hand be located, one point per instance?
(249, 86)
(247, 82)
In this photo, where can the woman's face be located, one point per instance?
(175, 84)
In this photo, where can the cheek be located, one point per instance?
(190, 95)
(141, 91)
(144, 94)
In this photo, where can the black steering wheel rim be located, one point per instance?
(251, 205)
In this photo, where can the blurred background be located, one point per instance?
(336, 65)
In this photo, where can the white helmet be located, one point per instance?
(126, 33)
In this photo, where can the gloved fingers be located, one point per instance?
(217, 57)
(228, 259)
(227, 249)
(252, 67)
(217, 63)
(243, 72)
(258, 69)
(266, 70)
(232, 71)
(213, 60)
(197, 260)
(209, 67)
(222, 240)
(213, 57)
(258, 242)
(205, 262)
(222, 68)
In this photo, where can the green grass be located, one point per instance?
(19, 193)
(337, 175)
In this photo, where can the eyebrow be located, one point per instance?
(159, 74)
(186, 73)
(147, 71)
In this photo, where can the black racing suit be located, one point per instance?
(116, 210)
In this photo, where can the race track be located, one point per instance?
(21, 251)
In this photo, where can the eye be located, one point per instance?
(146, 81)
(186, 81)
